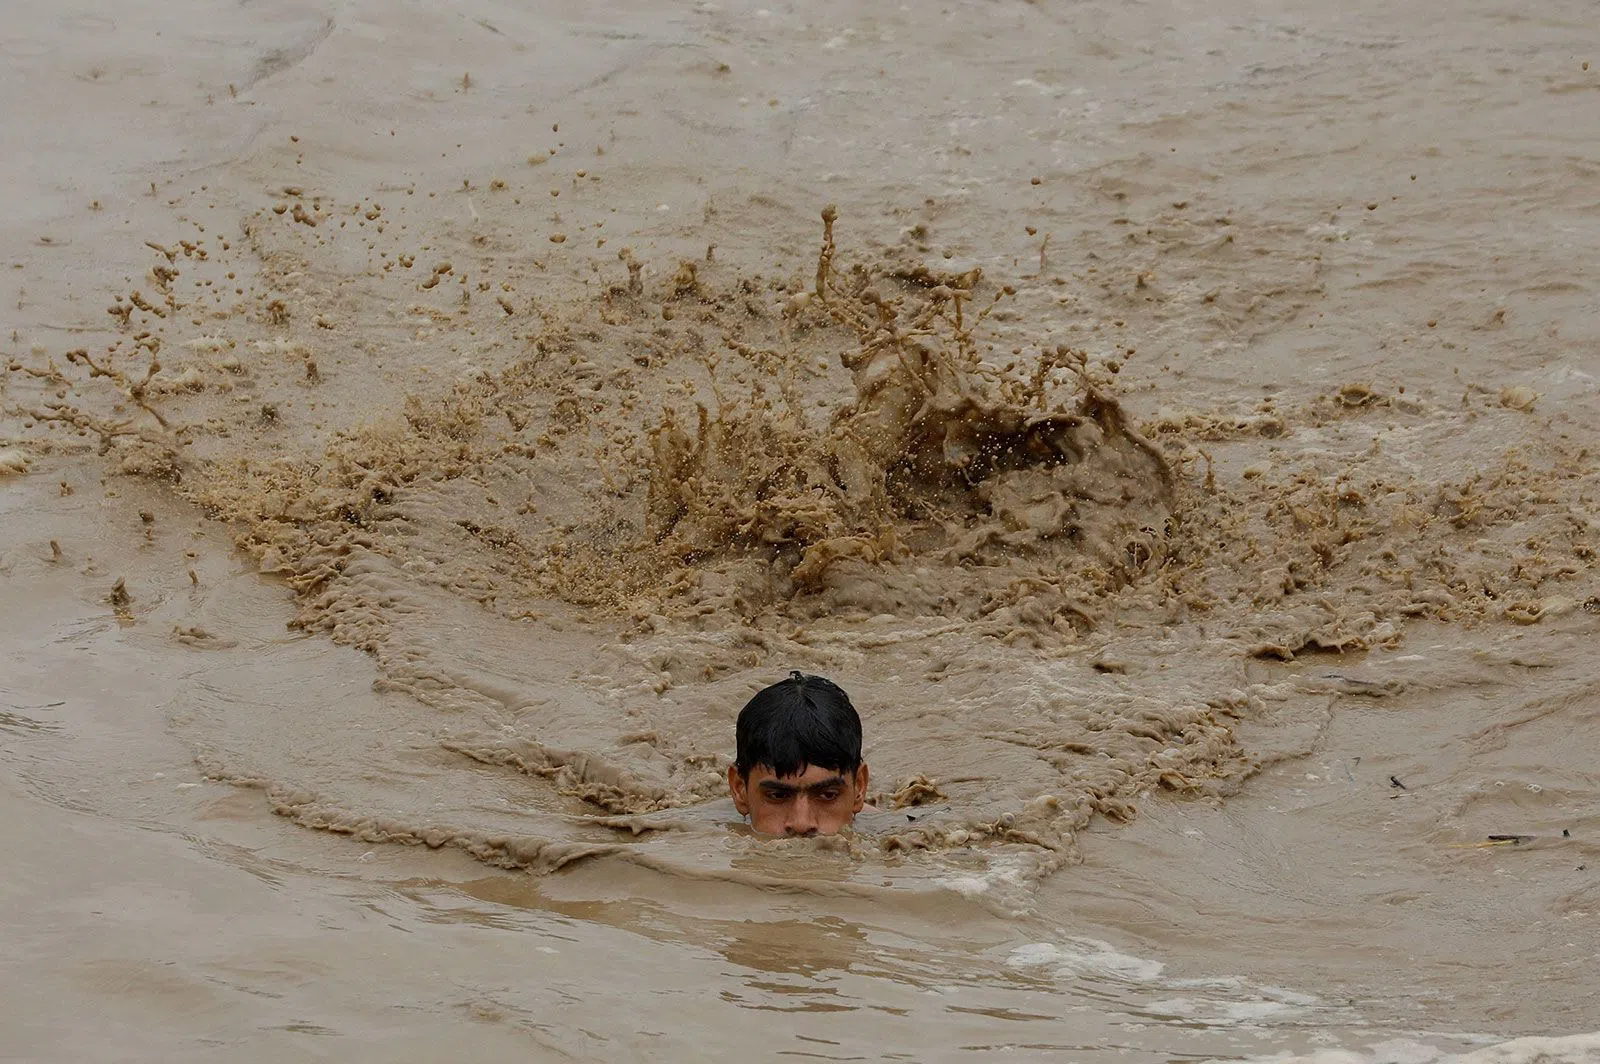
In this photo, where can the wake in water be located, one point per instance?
(622, 506)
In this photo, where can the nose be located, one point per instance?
(802, 818)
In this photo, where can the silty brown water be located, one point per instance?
(1177, 437)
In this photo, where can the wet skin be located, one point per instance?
(814, 801)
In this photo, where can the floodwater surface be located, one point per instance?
(422, 430)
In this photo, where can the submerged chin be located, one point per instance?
(783, 830)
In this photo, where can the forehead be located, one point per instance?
(805, 778)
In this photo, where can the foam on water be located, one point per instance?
(1086, 956)
(1217, 1002)
(1568, 1049)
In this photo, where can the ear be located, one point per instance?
(738, 786)
(861, 786)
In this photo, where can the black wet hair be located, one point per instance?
(798, 722)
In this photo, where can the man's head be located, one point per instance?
(799, 769)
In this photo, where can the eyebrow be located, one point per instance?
(774, 789)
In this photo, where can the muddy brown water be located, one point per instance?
(422, 430)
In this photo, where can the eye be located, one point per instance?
(829, 795)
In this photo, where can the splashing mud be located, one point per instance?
(715, 474)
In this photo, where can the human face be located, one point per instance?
(815, 801)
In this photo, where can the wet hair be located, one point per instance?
(798, 722)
